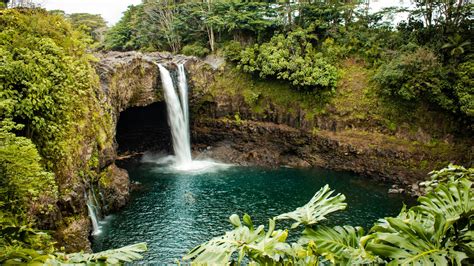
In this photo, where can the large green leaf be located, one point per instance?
(453, 200)
(113, 256)
(339, 244)
(270, 248)
(219, 250)
(412, 243)
(316, 209)
(252, 243)
(435, 232)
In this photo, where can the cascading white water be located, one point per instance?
(183, 94)
(178, 120)
(93, 215)
(177, 117)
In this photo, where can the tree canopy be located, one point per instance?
(425, 58)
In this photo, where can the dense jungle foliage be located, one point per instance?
(49, 107)
(426, 58)
(42, 58)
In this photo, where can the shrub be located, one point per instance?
(293, 58)
(415, 76)
(418, 75)
(26, 187)
(195, 49)
(232, 50)
(464, 87)
(332, 51)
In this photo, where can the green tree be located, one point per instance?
(291, 57)
(93, 24)
(121, 36)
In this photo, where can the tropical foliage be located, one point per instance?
(92, 24)
(437, 231)
(17, 255)
(426, 58)
(48, 109)
(290, 57)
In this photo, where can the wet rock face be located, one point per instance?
(128, 79)
(115, 188)
(75, 237)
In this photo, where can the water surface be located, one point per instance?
(173, 212)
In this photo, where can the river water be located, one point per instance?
(174, 211)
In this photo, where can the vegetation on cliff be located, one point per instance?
(425, 59)
(49, 111)
(39, 97)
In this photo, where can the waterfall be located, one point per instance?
(92, 209)
(178, 119)
(177, 114)
(183, 94)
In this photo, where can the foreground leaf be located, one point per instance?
(113, 256)
(453, 200)
(316, 209)
(339, 244)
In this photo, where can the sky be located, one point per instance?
(111, 10)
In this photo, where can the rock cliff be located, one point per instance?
(126, 80)
(232, 122)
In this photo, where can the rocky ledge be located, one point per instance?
(377, 156)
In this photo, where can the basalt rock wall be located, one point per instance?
(231, 126)
(127, 80)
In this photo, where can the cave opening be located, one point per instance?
(141, 129)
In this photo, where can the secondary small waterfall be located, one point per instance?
(92, 209)
(178, 116)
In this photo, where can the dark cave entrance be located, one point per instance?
(141, 129)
